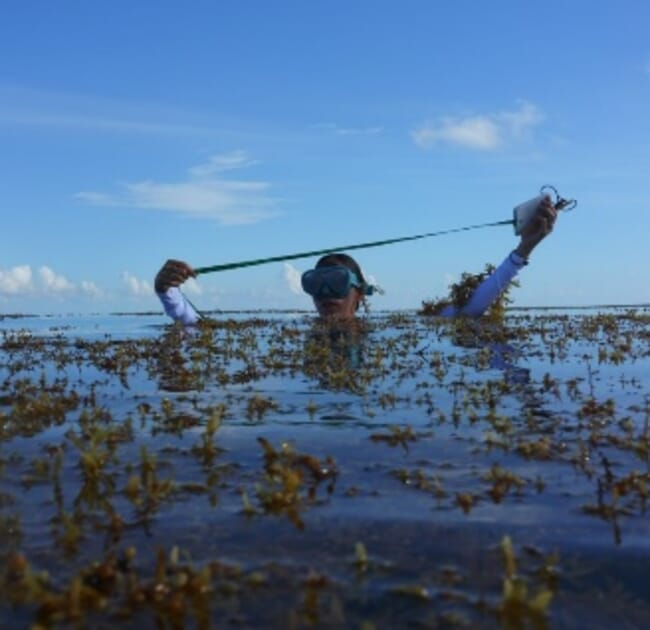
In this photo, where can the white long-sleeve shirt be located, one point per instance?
(490, 289)
(180, 310)
(177, 307)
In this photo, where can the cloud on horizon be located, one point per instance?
(90, 288)
(292, 277)
(481, 133)
(193, 287)
(16, 280)
(21, 281)
(136, 286)
(205, 193)
(51, 282)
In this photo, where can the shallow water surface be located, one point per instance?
(266, 471)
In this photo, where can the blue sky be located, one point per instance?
(132, 132)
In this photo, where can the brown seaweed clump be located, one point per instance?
(461, 291)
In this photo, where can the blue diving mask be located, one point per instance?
(333, 282)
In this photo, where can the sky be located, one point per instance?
(136, 131)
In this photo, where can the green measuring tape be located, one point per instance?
(522, 214)
(330, 250)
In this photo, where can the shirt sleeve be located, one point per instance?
(177, 307)
(490, 289)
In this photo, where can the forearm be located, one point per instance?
(490, 289)
(177, 307)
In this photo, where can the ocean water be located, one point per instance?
(267, 471)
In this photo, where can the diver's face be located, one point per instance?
(338, 308)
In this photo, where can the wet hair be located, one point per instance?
(330, 260)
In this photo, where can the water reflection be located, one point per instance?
(445, 438)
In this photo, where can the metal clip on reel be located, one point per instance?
(560, 203)
(524, 212)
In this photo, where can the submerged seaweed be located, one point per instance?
(267, 471)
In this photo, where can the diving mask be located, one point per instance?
(332, 282)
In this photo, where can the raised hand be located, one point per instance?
(172, 274)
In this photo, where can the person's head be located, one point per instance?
(337, 286)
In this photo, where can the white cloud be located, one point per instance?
(52, 282)
(475, 133)
(358, 131)
(135, 285)
(96, 198)
(220, 163)
(192, 286)
(46, 282)
(16, 280)
(83, 112)
(90, 288)
(204, 193)
(517, 123)
(350, 131)
(484, 133)
(292, 278)
(100, 123)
